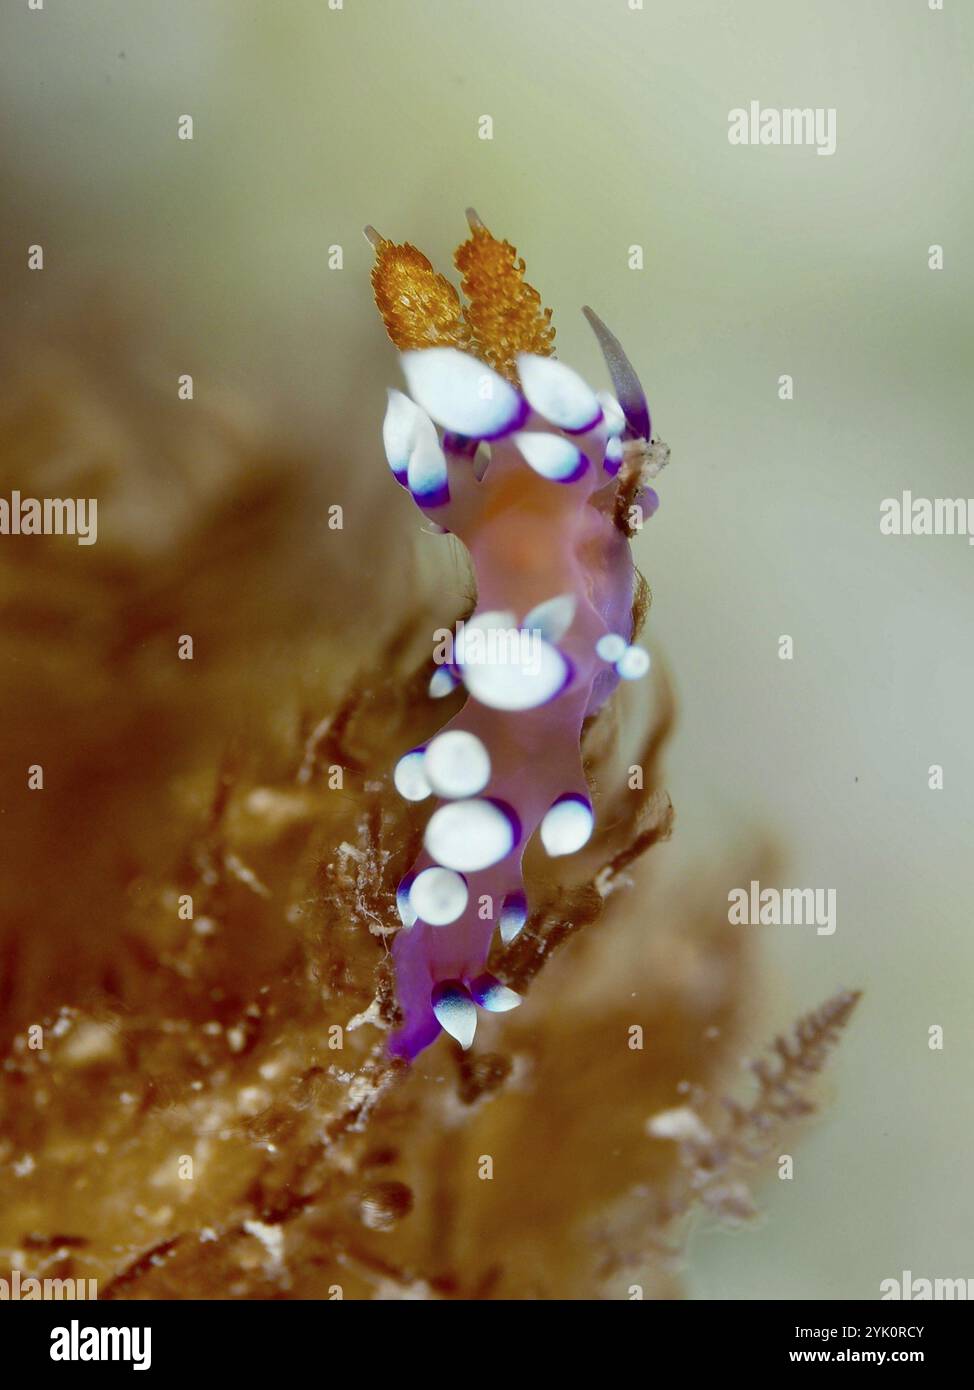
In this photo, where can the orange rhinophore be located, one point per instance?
(419, 307)
(504, 312)
(503, 315)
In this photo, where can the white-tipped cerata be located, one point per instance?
(558, 393)
(614, 456)
(507, 667)
(407, 913)
(426, 474)
(551, 455)
(490, 994)
(457, 764)
(461, 393)
(611, 646)
(471, 835)
(633, 663)
(413, 449)
(474, 638)
(410, 776)
(442, 683)
(455, 1011)
(552, 619)
(438, 896)
(615, 421)
(400, 429)
(567, 826)
(514, 915)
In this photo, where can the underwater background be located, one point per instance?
(609, 132)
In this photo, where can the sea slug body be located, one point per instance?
(511, 451)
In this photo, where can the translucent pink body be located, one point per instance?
(530, 539)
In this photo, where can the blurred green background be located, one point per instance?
(610, 129)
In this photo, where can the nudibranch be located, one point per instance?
(511, 451)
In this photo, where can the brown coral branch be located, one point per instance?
(713, 1160)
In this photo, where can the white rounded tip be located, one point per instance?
(567, 826)
(610, 647)
(410, 776)
(633, 663)
(615, 421)
(442, 682)
(490, 994)
(614, 456)
(400, 428)
(551, 619)
(457, 764)
(456, 1013)
(461, 393)
(558, 393)
(438, 896)
(509, 667)
(551, 455)
(514, 915)
(470, 835)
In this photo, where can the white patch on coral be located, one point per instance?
(679, 1123)
(270, 1237)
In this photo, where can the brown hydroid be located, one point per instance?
(196, 1099)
